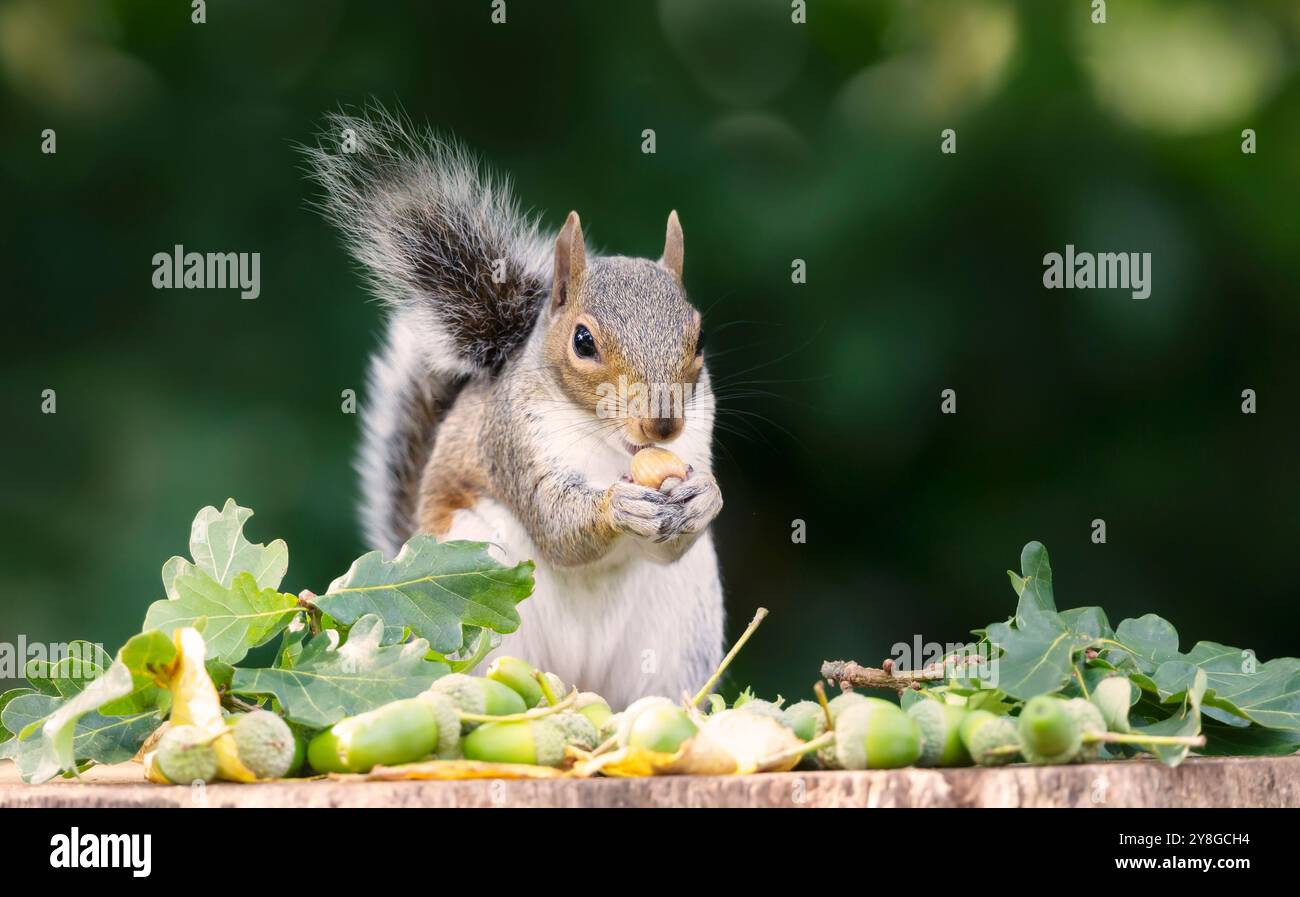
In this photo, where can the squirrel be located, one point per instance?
(483, 421)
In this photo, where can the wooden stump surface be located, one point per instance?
(1199, 782)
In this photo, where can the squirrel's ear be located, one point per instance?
(570, 260)
(672, 259)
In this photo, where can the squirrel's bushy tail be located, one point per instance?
(463, 269)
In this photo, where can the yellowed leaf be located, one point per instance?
(736, 742)
(454, 770)
(195, 702)
(628, 762)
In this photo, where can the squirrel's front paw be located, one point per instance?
(697, 501)
(651, 514)
(637, 510)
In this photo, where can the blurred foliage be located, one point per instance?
(775, 142)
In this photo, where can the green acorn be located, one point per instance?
(655, 724)
(940, 726)
(836, 706)
(400, 732)
(300, 740)
(185, 755)
(535, 742)
(479, 695)
(1089, 721)
(1048, 732)
(806, 719)
(986, 736)
(875, 734)
(594, 708)
(264, 744)
(1114, 697)
(518, 675)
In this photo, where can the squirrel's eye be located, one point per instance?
(699, 342)
(584, 344)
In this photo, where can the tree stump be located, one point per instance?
(1199, 782)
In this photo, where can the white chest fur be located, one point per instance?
(624, 627)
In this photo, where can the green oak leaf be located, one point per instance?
(5, 734)
(1036, 573)
(1187, 721)
(58, 731)
(479, 642)
(1037, 652)
(433, 588)
(1172, 679)
(994, 700)
(232, 619)
(1144, 643)
(1236, 741)
(1089, 621)
(81, 662)
(1239, 685)
(291, 644)
(328, 683)
(62, 734)
(221, 674)
(146, 656)
(220, 549)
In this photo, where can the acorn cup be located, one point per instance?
(940, 726)
(842, 702)
(806, 719)
(875, 734)
(578, 729)
(1091, 724)
(991, 740)
(185, 755)
(763, 708)
(479, 696)
(265, 743)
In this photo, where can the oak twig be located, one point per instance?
(851, 674)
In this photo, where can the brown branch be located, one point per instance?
(850, 674)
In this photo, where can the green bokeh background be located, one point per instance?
(775, 141)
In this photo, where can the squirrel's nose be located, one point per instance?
(662, 429)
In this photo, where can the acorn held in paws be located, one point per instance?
(657, 468)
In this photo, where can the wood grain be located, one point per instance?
(1199, 782)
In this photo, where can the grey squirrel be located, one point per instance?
(482, 416)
